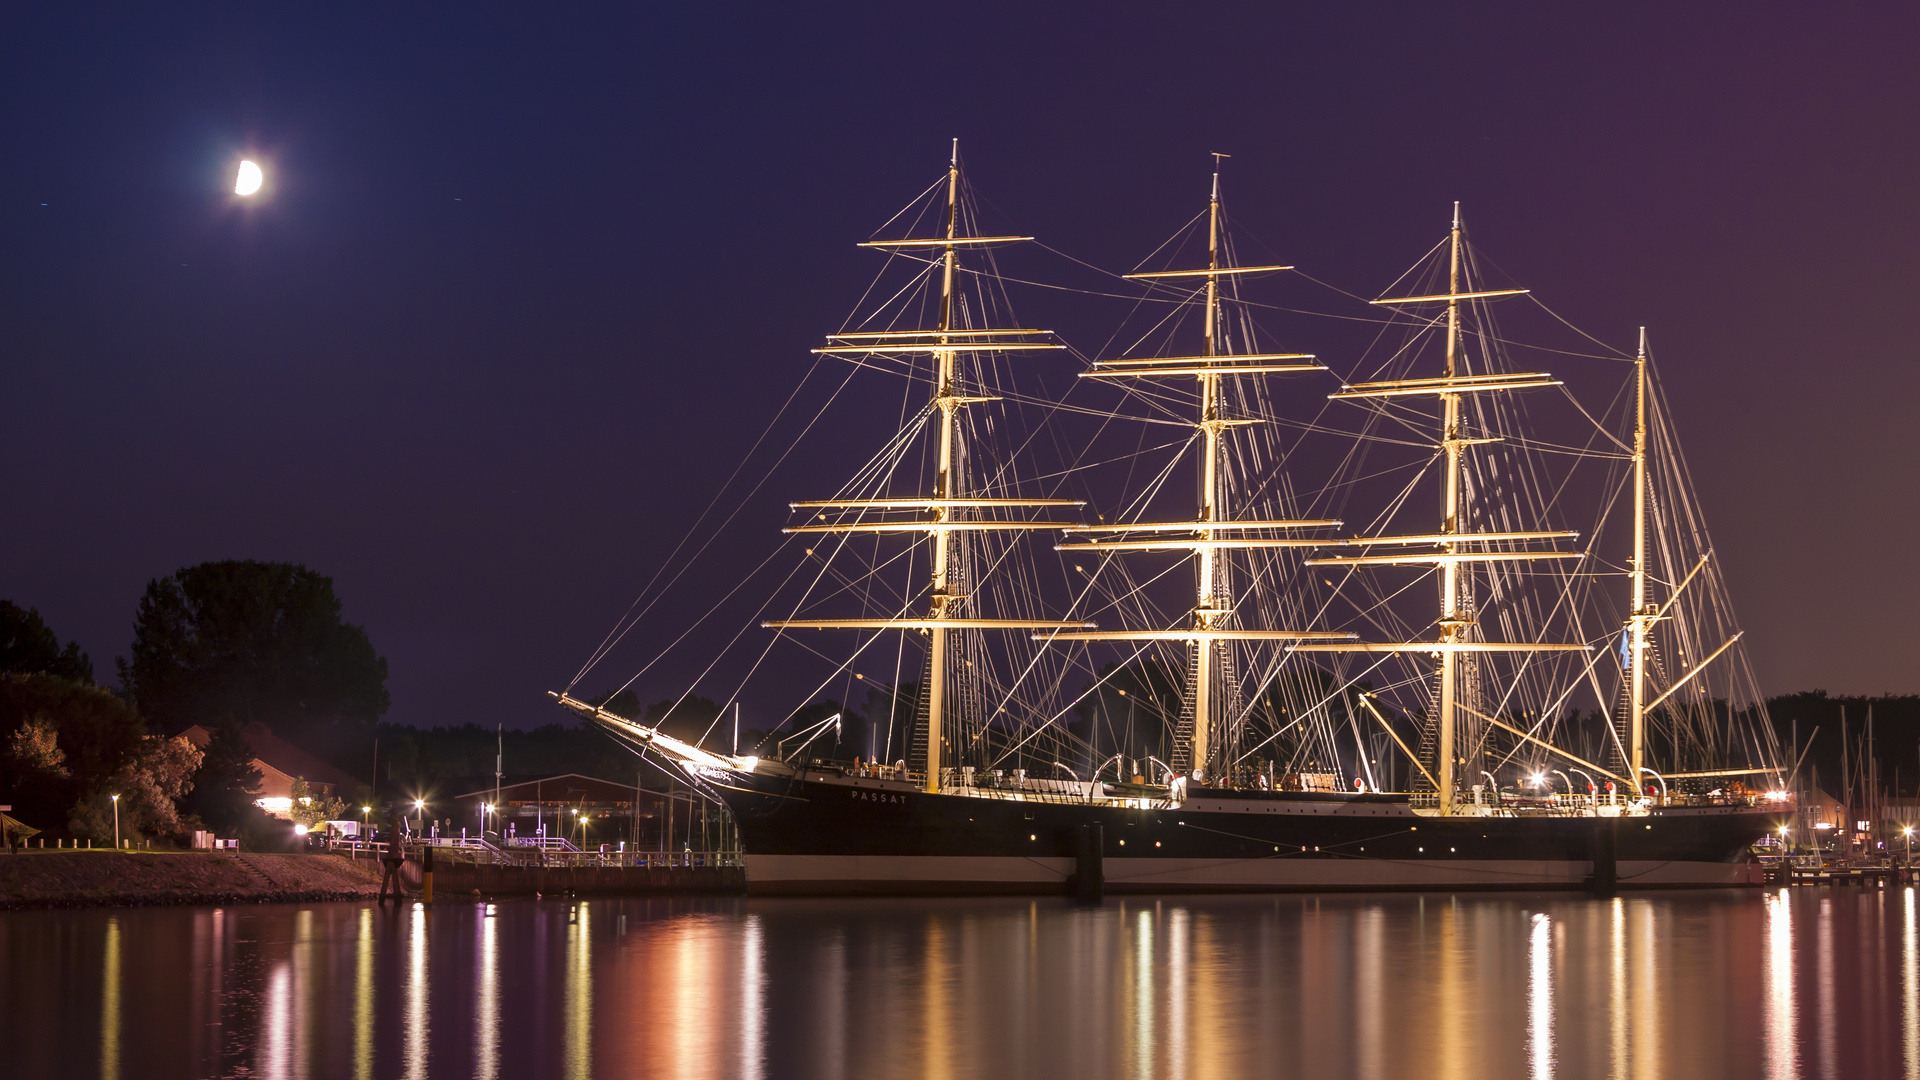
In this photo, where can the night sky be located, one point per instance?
(525, 282)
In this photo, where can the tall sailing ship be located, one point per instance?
(1391, 705)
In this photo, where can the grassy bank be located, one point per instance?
(58, 879)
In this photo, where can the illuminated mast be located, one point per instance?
(947, 507)
(1642, 615)
(1213, 529)
(1455, 547)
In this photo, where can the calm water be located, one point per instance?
(1750, 984)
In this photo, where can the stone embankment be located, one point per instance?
(68, 879)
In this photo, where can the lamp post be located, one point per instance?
(1908, 833)
(116, 823)
(419, 822)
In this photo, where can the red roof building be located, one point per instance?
(280, 763)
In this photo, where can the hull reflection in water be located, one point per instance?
(1743, 983)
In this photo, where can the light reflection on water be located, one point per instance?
(1910, 983)
(1775, 984)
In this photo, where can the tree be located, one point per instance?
(93, 732)
(227, 782)
(28, 645)
(310, 809)
(150, 784)
(251, 641)
(34, 748)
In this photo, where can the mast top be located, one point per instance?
(954, 161)
(1217, 158)
(1456, 215)
(1643, 343)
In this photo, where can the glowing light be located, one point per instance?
(249, 179)
(1783, 830)
(274, 805)
(1540, 998)
(299, 830)
(419, 804)
(1536, 779)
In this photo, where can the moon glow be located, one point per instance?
(249, 180)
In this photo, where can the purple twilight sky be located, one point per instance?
(524, 279)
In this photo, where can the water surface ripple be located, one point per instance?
(1771, 984)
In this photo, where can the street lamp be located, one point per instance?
(116, 823)
(419, 822)
(1908, 833)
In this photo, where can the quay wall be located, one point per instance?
(70, 879)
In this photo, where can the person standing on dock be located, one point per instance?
(391, 860)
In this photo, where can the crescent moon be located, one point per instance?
(249, 179)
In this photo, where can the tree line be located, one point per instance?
(225, 644)
(218, 645)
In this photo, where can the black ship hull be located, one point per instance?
(824, 833)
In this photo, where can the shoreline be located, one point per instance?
(83, 879)
(65, 880)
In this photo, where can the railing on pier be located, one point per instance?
(544, 843)
(530, 855)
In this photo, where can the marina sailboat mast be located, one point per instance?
(1211, 628)
(950, 511)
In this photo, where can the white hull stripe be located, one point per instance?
(876, 872)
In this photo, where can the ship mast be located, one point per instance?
(1452, 619)
(1642, 615)
(946, 402)
(1206, 608)
(1213, 529)
(1453, 547)
(944, 510)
